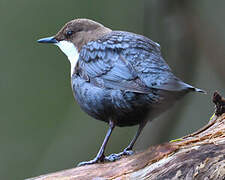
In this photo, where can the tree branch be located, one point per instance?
(200, 155)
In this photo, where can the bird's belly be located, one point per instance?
(125, 108)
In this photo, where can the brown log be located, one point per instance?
(200, 155)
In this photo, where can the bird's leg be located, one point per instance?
(128, 150)
(100, 156)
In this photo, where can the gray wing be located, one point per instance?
(126, 61)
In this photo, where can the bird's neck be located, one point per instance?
(72, 49)
(86, 36)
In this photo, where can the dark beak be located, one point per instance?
(48, 40)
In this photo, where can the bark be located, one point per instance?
(200, 155)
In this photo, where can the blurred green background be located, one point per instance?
(43, 129)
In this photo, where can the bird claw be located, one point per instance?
(93, 161)
(87, 162)
(110, 158)
(128, 152)
(114, 157)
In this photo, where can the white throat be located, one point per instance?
(71, 51)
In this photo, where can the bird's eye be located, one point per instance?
(69, 33)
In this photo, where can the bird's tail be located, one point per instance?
(199, 90)
(187, 86)
(195, 89)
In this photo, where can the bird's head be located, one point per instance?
(74, 35)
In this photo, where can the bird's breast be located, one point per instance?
(126, 108)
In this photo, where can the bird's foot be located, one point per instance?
(93, 161)
(110, 158)
(114, 157)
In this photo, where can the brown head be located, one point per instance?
(74, 35)
(79, 32)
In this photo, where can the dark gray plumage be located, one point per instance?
(120, 78)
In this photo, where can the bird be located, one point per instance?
(118, 77)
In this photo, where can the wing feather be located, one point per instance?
(126, 61)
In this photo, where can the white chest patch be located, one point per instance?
(71, 51)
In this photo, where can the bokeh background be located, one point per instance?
(42, 129)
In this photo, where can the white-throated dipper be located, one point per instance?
(118, 77)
